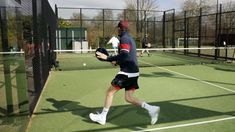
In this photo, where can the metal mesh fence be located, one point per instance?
(27, 39)
(209, 26)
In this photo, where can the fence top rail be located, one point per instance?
(60, 7)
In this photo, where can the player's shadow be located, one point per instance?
(225, 69)
(116, 113)
(66, 106)
(135, 118)
(157, 74)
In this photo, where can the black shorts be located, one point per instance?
(122, 81)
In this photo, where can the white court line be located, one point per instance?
(188, 124)
(190, 77)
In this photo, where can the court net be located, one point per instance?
(86, 60)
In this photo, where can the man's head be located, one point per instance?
(123, 25)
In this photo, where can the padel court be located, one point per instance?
(194, 95)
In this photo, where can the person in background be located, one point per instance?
(115, 42)
(30, 48)
(145, 45)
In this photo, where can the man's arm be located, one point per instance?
(121, 56)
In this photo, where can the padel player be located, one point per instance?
(145, 45)
(127, 77)
(115, 42)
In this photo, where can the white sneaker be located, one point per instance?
(97, 118)
(154, 114)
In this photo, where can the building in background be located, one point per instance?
(71, 38)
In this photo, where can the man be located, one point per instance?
(30, 48)
(127, 77)
(145, 45)
(115, 42)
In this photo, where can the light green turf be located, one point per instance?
(70, 96)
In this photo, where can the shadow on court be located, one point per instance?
(225, 69)
(157, 74)
(135, 118)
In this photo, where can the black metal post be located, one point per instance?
(154, 32)
(173, 29)
(216, 30)
(56, 11)
(81, 27)
(219, 33)
(145, 23)
(103, 24)
(199, 31)
(185, 30)
(163, 30)
(125, 14)
(137, 23)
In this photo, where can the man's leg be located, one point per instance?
(153, 110)
(148, 52)
(142, 52)
(101, 118)
(131, 99)
(115, 51)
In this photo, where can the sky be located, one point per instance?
(116, 4)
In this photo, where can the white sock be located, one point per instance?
(104, 112)
(146, 106)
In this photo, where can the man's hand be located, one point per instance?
(114, 63)
(101, 55)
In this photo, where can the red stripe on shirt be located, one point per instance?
(125, 46)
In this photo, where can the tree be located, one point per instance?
(63, 23)
(147, 5)
(94, 25)
(192, 8)
(146, 9)
(228, 18)
(194, 5)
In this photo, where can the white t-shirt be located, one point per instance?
(114, 41)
